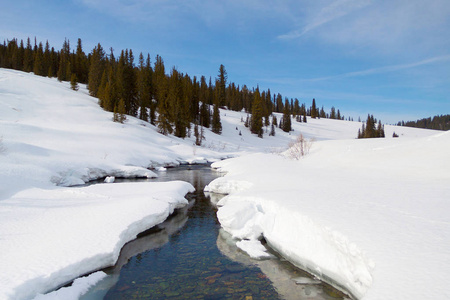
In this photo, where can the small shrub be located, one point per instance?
(299, 147)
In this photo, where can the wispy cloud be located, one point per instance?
(385, 69)
(335, 10)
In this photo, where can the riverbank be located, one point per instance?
(369, 216)
(52, 136)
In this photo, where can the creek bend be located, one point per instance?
(189, 256)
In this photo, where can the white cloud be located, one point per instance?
(396, 26)
(385, 69)
(329, 13)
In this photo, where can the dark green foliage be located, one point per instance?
(314, 113)
(333, 113)
(285, 123)
(256, 125)
(440, 122)
(39, 67)
(74, 82)
(119, 112)
(216, 124)
(150, 94)
(370, 129)
(96, 69)
(64, 70)
(126, 82)
(221, 85)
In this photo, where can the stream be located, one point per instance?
(189, 256)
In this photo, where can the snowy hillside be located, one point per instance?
(52, 136)
(367, 215)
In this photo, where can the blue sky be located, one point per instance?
(390, 58)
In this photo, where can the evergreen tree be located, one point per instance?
(313, 109)
(144, 90)
(74, 82)
(64, 62)
(333, 113)
(257, 124)
(221, 85)
(119, 112)
(216, 124)
(38, 68)
(96, 69)
(80, 63)
(28, 57)
(126, 82)
(286, 119)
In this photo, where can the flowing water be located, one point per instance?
(190, 257)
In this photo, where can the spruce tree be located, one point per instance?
(216, 124)
(28, 57)
(313, 109)
(38, 68)
(286, 119)
(96, 68)
(74, 82)
(257, 124)
(221, 86)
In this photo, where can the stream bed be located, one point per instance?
(189, 256)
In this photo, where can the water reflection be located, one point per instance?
(189, 256)
(289, 281)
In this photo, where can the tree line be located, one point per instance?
(439, 122)
(170, 100)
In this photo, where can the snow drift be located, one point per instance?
(369, 216)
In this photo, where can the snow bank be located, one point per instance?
(50, 237)
(366, 215)
(78, 288)
(51, 135)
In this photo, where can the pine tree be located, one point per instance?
(222, 82)
(64, 62)
(144, 87)
(38, 68)
(119, 112)
(257, 124)
(28, 57)
(333, 113)
(80, 63)
(286, 119)
(313, 109)
(216, 124)
(74, 82)
(96, 69)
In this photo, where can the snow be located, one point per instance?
(254, 249)
(55, 234)
(110, 179)
(362, 213)
(366, 215)
(78, 288)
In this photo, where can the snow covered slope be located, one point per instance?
(52, 136)
(367, 215)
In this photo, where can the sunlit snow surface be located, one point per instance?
(368, 215)
(371, 215)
